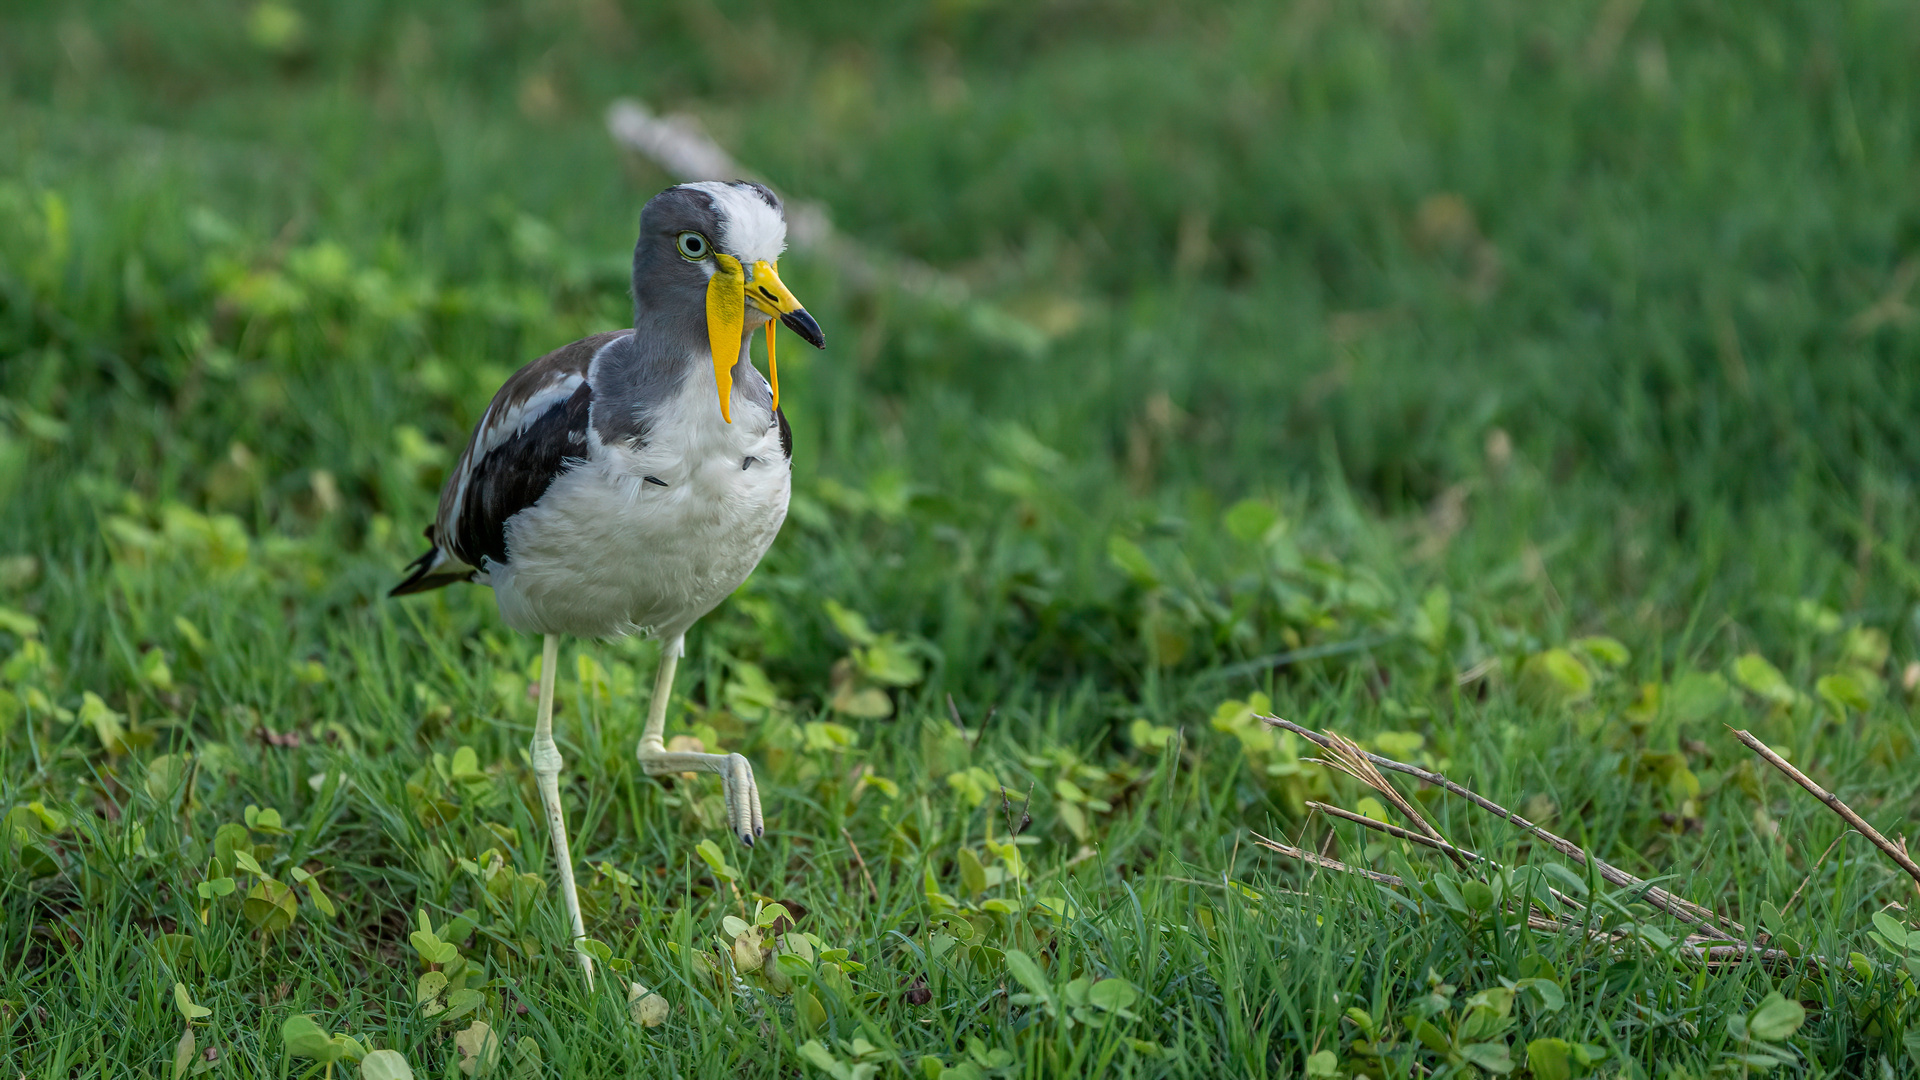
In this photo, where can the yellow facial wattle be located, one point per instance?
(726, 318)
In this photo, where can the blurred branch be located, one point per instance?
(680, 148)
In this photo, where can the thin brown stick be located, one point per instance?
(1678, 907)
(1413, 837)
(1889, 848)
(861, 863)
(1699, 947)
(1393, 830)
(1350, 759)
(1321, 861)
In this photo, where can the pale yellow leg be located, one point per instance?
(736, 773)
(546, 774)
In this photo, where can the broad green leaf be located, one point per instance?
(861, 702)
(304, 1038)
(478, 1049)
(1323, 1063)
(1112, 994)
(154, 670)
(647, 1008)
(973, 876)
(319, 897)
(18, 623)
(710, 854)
(527, 1059)
(1250, 520)
(1844, 690)
(1867, 647)
(385, 1065)
(165, 774)
(1491, 1056)
(212, 887)
(270, 906)
(1130, 560)
(460, 1003)
(1555, 677)
(183, 1054)
(851, 624)
(1892, 929)
(1148, 735)
(889, 662)
(1398, 745)
(1606, 651)
(110, 726)
(431, 948)
(264, 821)
(1545, 991)
(1761, 679)
(1776, 1018)
(1550, 1059)
(1022, 967)
(821, 1058)
(186, 1006)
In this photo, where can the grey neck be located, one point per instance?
(638, 375)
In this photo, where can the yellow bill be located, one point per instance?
(728, 292)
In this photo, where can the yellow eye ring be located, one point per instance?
(693, 247)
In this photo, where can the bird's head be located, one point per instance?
(708, 250)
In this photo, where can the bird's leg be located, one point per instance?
(546, 773)
(736, 774)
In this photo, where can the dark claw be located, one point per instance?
(746, 839)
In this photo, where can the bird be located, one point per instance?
(627, 483)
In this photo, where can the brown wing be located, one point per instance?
(534, 428)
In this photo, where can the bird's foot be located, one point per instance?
(736, 780)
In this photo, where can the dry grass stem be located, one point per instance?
(1892, 850)
(1350, 759)
(872, 892)
(1711, 950)
(1811, 870)
(1321, 861)
(1678, 907)
(1395, 830)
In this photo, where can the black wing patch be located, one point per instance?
(516, 473)
(786, 434)
(421, 577)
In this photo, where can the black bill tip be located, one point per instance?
(802, 323)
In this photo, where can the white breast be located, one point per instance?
(605, 553)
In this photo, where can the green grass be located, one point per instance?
(1430, 339)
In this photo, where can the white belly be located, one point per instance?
(605, 553)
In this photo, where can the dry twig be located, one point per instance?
(1711, 950)
(1394, 830)
(1350, 759)
(1678, 907)
(1892, 850)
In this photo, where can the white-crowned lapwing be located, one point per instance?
(626, 483)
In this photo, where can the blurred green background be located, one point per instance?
(1422, 337)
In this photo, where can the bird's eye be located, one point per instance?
(694, 246)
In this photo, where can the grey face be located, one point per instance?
(664, 281)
